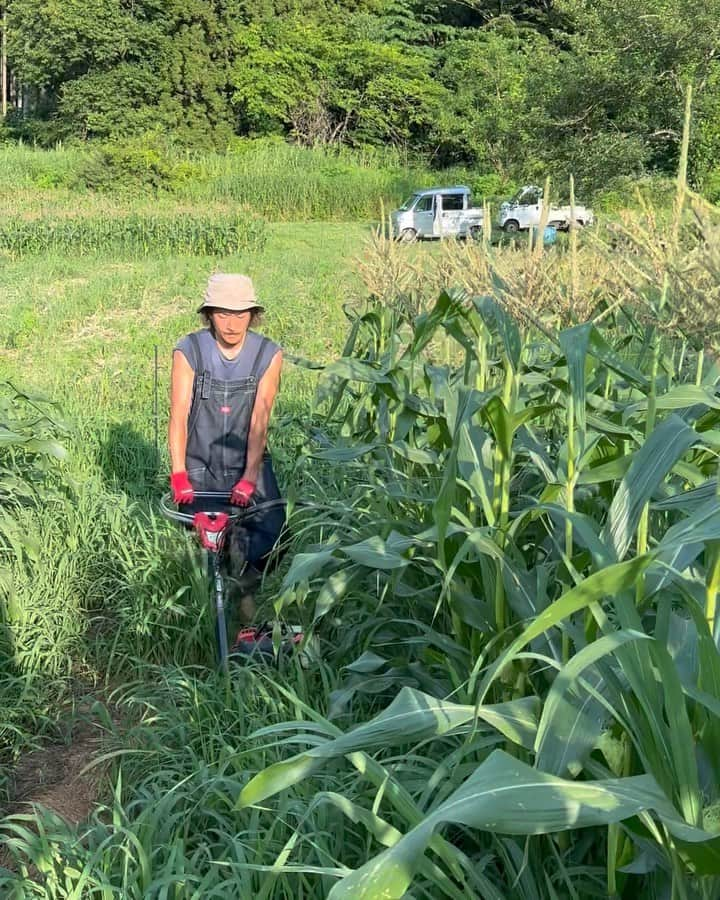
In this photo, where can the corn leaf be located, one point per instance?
(575, 343)
(652, 462)
(411, 717)
(608, 582)
(572, 718)
(506, 796)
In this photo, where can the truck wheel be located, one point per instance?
(557, 225)
(475, 233)
(408, 235)
(512, 226)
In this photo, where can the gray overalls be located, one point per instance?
(218, 428)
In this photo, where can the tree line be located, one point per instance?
(589, 86)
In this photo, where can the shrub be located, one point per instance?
(126, 166)
(711, 185)
(138, 164)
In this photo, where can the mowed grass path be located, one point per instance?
(83, 330)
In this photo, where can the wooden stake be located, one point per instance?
(3, 64)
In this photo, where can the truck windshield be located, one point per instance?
(528, 196)
(408, 203)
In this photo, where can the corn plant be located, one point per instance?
(135, 235)
(508, 488)
(534, 517)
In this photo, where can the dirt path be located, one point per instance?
(55, 776)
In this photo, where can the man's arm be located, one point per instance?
(264, 399)
(181, 384)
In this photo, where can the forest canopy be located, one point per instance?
(589, 86)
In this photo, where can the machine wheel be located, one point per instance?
(512, 226)
(408, 236)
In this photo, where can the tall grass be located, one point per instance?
(23, 167)
(269, 178)
(169, 827)
(286, 182)
(32, 439)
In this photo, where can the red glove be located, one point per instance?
(182, 489)
(242, 493)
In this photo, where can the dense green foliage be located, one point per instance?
(513, 88)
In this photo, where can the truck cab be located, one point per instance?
(437, 213)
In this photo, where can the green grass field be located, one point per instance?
(100, 317)
(84, 331)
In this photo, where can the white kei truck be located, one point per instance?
(526, 209)
(437, 213)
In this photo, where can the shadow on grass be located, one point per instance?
(129, 462)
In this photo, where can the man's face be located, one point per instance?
(230, 326)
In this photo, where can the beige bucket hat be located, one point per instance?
(235, 292)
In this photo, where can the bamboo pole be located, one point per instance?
(3, 64)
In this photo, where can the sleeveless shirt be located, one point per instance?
(229, 369)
